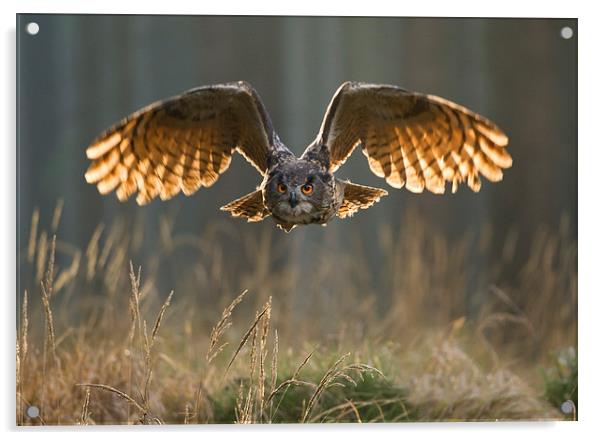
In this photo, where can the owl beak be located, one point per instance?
(292, 199)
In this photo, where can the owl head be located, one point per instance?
(298, 191)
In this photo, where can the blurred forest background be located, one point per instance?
(80, 74)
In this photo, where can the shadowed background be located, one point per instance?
(81, 74)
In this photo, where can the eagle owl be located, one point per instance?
(183, 143)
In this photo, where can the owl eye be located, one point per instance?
(307, 188)
(281, 188)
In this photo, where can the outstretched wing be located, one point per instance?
(420, 141)
(181, 143)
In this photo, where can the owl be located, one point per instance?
(186, 142)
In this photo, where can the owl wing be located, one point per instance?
(420, 141)
(358, 197)
(181, 143)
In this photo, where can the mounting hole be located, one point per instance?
(566, 33)
(567, 407)
(32, 28)
(33, 412)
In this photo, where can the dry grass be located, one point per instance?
(410, 347)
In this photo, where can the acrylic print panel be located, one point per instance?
(141, 302)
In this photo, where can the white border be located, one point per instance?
(508, 8)
(590, 158)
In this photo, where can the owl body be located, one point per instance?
(186, 142)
